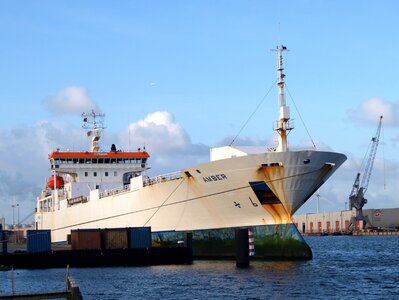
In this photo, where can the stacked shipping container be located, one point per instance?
(86, 239)
(111, 238)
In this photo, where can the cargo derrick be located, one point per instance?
(356, 197)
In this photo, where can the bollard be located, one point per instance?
(5, 249)
(242, 248)
(188, 240)
(188, 243)
(3, 240)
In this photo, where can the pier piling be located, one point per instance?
(242, 248)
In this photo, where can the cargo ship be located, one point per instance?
(238, 188)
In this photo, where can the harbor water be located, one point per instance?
(342, 267)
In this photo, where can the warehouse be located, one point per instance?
(339, 222)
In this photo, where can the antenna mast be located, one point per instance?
(283, 124)
(93, 122)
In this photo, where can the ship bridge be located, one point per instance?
(88, 166)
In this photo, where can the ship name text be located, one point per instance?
(216, 177)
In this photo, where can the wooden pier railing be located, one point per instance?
(71, 292)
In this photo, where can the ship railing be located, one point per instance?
(288, 125)
(162, 178)
(146, 182)
(114, 191)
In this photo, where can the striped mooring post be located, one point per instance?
(242, 247)
(251, 242)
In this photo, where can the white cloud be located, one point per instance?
(381, 193)
(24, 165)
(167, 142)
(159, 132)
(382, 188)
(370, 110)
(71, 99)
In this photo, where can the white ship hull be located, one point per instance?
(213, 195)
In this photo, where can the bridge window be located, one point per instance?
(86, 174)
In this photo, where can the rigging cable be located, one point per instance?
(300, 117)
(167, 198)
(27, 217)
(256, 109)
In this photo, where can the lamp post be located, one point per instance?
(18, 215)
(17, 223)
(13, 206)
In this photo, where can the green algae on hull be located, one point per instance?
(271, 242)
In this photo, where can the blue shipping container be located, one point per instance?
(38, 241)
(140, 237)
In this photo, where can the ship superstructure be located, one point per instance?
(237, 188)
(76, 174)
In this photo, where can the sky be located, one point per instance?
(179, 77)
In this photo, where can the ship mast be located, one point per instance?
(283, 125)
(93, 122)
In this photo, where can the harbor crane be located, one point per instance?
(356, 197)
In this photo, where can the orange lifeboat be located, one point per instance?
(59, 182)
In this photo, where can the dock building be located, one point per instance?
(339, 222)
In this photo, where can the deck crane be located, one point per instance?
(356, 197)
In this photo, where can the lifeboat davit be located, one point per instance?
(59, 182)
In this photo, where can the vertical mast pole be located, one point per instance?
(280, 75)
(283, 124)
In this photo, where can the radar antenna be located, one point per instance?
(93, 122)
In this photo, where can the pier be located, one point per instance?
(98, 258)
(71, 292)
(95, 248)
